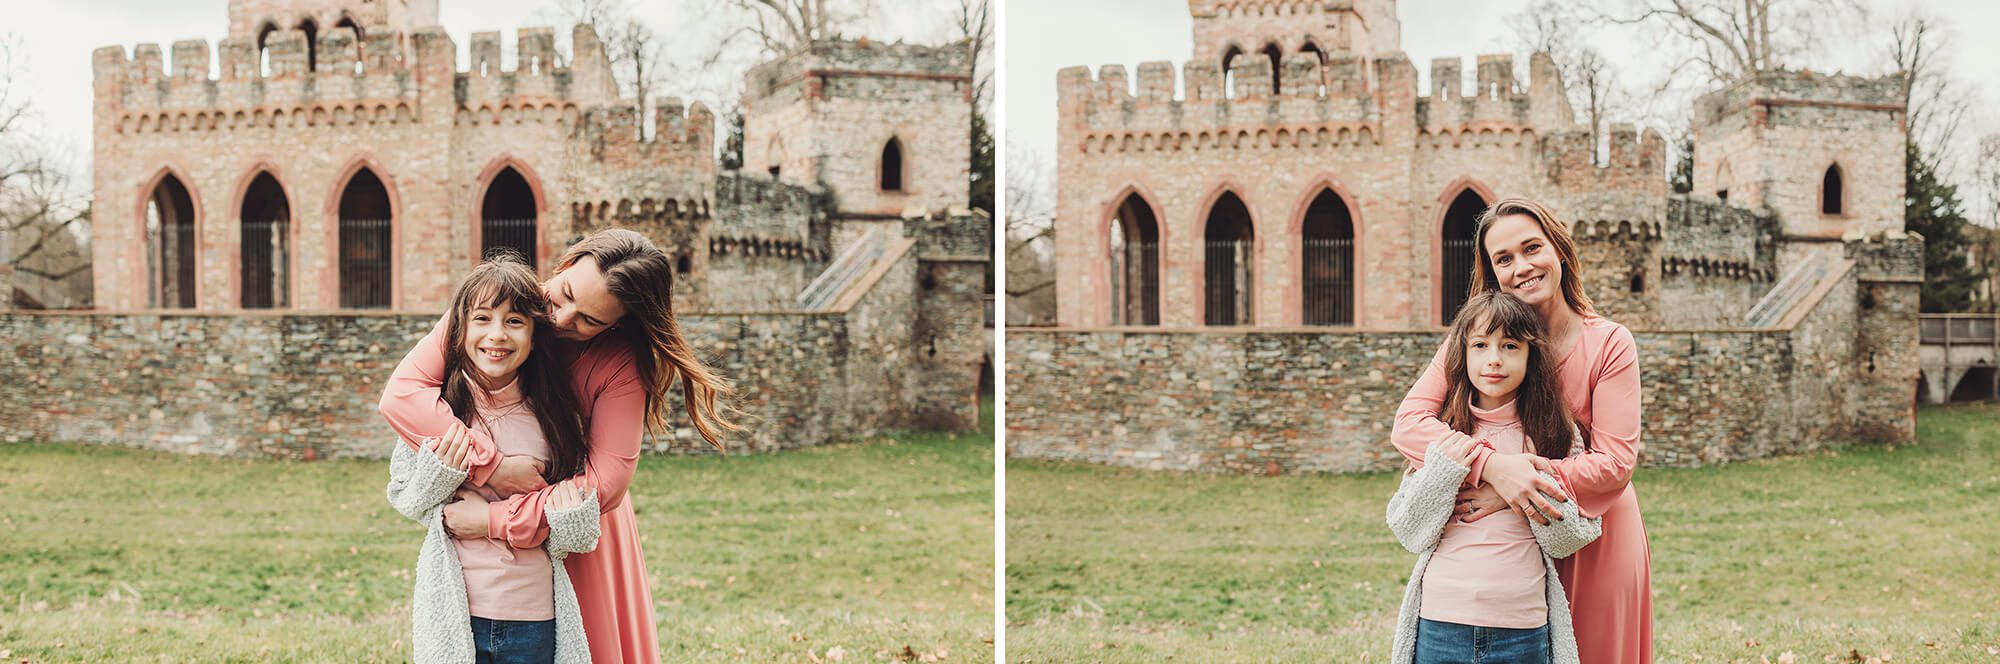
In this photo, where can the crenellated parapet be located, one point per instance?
(612, 134)
(1341, 99)
(232, 84)
(1796, 97)
(860, 68)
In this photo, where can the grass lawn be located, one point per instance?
(1852, 554)
(112, 554)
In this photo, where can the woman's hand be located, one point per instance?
(465, 517)
(1518, 481)
(570, 493)
(517, 475)
(1478, 503)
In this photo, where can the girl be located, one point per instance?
(612, 308)
(1524, 250)
(1488, 591)
(480, 598)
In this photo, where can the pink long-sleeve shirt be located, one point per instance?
(1489, 572)
(502, 582)
(612, 588)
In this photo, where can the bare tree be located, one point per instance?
(780, 26)
(1591, 81)
(975, 26)
(43, 218)
(1030, 228)
(1986, 179)
(1730, 40)
(637, 54)
(1936, 104)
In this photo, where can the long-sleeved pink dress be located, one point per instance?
(611, 581)
(1609, 582)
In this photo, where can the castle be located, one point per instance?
(1300, 178)
(345, 159)
(1260, 262)
(268, 237)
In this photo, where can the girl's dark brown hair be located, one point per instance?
(642, 278)
(1483, 277)
(1545, 418)
(545, 385)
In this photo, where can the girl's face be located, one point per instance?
(498, 339)
(1496, 365)
(1524, 262)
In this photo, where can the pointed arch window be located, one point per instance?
(1277, 58)
(1832, 192)
(507, 217)
(1135, 264)
(265, 244)
(892, 165)
(365, 258)
(1229, 277)
(1455, 261)
(170, 245)
(1328, 261)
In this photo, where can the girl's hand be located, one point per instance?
(1457, 447)
(455, 448)
(1515, 477)
(465, 518)
(1478, 503)
(570, 493)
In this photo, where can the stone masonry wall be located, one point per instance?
(397, 105)
(822, 116)
(1271, 401)
(306, 386)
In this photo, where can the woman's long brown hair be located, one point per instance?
(1545, 418)
(545, 385)
(642, 278)
(1483, 277)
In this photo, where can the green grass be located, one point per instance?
(1862, 550)
(112, 554)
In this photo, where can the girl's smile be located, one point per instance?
(497, 340)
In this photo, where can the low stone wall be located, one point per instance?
(306, 385)
(1298, 400)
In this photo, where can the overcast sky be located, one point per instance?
(52, 59)
(1043, 36)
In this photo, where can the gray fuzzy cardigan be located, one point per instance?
(419, 484)
(1418, 513)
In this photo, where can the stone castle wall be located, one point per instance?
(822, 116)
(401, 108)
(306, 386)
(1269, 401)
(1395, 158)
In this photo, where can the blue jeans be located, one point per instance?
(514, 641)
(1452, 643)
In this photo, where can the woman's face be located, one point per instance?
(498, 339)
(581, 304)
(1523, 260)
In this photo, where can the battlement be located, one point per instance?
(341, 71)
(813, 66)
(1892, 255)
(1346, 90)
(1779, 89)
(613, 131)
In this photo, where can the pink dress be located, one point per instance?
(1609, 582)
(611, 583)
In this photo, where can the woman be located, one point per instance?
(1525, 251)
(617, 336)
